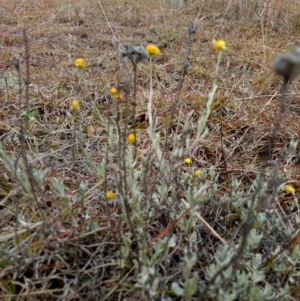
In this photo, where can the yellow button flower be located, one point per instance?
(289, 189)
(113, 91)
(75, 105)
(188, 161)
(119, 96)
(110, 195)
(197, 173)
(80, 63)
(131, 138)
(153, 50)
(219, 45)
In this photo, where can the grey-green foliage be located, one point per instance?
(291, 148)
(39, 176)
(81, 194)
(148, 281)
(21, 176)
(149, 278)
(246, 279)
(124, 251)
(244, 283)
(58, 185)
(161, 247)
(7, 81)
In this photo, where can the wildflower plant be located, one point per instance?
(155, 215)
(152, 51)
(134, 55)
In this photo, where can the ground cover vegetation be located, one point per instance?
(149, 150)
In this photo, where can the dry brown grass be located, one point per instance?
(246, 104)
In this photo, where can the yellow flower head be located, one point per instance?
(152, 50)
(219, 45)
(197, 173)
(289, 189)
(75, 105)
(113, 91)
(110, 195)
(119, 96)
(188, 161)
(131, 138)
(80, 63)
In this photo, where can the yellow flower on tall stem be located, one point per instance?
(197, 173)
(110, 195)
(113, 91)
(131, 138)
(119, 96)
(80, 63)
(289, 189)
(219, 45)
(152, 50)
(188, 161)
(75, 105)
